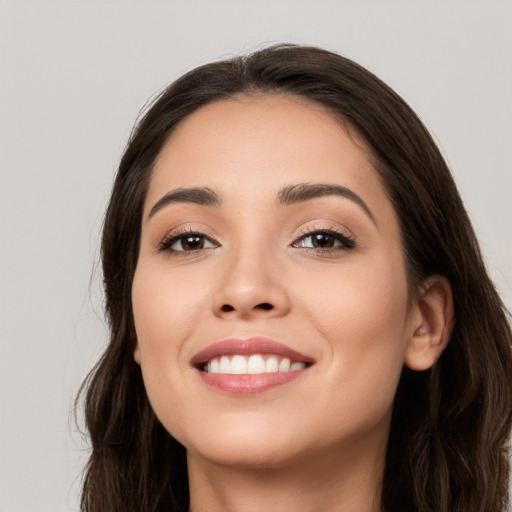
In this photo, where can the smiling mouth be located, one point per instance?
(249, 366)
(238, 364)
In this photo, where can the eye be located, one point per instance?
(325, 240)
(186, 242)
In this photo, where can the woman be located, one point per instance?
(300, 316)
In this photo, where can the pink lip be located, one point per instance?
(247, 384)
(248, 347)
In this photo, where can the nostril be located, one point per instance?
(265, 305)
(226, 308)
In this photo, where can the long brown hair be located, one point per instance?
(448, 439)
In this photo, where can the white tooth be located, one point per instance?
(284, 365)
(297, 366)
(271, 365)
(224, 365)
(238, 365)
(213, 366)
(256, 364)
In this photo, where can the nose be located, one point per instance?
(250, 287)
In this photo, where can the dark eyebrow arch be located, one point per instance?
(203, 196)
(305, 191)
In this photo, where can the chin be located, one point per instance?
(244, 446)
(243, 456)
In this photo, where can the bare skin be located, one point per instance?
(252, 250)
(307, 487)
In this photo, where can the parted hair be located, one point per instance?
(447, 449)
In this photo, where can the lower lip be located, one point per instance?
(248, 384)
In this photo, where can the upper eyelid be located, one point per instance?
(310, 230)
(340, 236)
(178, 235)
(164, 244)
(187, 229)
(344, 235)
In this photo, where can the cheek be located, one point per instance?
(370, 296)
(363, 318)
(164, 308)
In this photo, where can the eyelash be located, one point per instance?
(166, 244)
(348, 242)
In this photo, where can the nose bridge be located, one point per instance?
(250, 283)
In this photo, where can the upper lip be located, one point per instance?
(255, 345)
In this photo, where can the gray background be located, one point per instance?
(73, 76)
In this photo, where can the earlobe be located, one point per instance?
(433, 323)
(136, 354)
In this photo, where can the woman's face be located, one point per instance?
(269, 246)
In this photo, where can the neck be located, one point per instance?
(318, 483)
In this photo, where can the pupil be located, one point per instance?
(193, 242)
(322, 240)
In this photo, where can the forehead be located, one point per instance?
(253, 146)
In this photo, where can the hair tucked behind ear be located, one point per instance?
(448, 443)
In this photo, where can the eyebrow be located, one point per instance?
(306, 191)
(203, 196)
(291, 194)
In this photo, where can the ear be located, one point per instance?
(136, 353)
(432, 323)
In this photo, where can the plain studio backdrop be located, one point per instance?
(73, 77)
